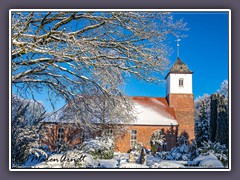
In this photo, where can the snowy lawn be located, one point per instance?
(209, 161)
(121, 160)
(132, 165)
(167, 164)
(108, 163)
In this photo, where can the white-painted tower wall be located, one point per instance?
(174, 86)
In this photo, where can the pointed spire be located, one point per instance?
(179, 67)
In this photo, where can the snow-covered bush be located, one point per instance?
(182, 140)
(137, 148)
(180, 152)
(220, 151)
(157, 140)
(100, 147)
(26, 115)
(193, 150)
(162, 155)
(62, 146)
(25, 144)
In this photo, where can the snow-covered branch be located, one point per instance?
(72, 54)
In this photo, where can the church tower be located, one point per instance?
(180, 97)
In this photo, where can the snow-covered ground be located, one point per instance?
(121, 160)
(98, 153)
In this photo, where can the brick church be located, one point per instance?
(173, 115)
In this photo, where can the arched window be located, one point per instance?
(181, 82)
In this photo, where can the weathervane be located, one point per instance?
(178, 47)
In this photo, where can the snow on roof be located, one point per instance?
(153, 111)
(149, 111)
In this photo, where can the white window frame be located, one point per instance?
(133, 137)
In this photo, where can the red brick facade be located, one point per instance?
(49, 131)
(143, 136)
(122, 144)
(179, 106)
(183, 105)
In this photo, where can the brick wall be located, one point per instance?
(184, 110)
(49, 131)
(122, 143)
(143, 135)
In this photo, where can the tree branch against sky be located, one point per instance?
(66, 46)
(69, 54)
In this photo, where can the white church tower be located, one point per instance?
(179, 79)
(180, 97)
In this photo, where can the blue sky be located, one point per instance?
(205, 51)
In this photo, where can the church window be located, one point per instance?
(133, 139)
(181, 82)
(60, 136)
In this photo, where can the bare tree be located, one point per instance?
(69, 54)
